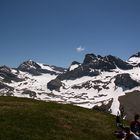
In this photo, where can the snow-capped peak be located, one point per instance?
(5, 69)
(135, 58)
(29, 64)
(74, 65)
(50, 68)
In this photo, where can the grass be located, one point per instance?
(26, 119)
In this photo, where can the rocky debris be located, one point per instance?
(138, 65)
(32, 94)
(97, 84)
(135, 60)
(97, 62)
(7, 93)
(30, 66)
(104, 107)
(125, 81)
(54, 84)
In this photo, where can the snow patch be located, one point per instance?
(134, 60)
(72, 67)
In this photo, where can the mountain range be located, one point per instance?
(105, 83)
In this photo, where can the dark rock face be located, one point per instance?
(77, 73)
(97, 84)
(105, 63)
(30, 66)
(130, 102)
(75, 63)
(54, 84)
(118, 62)
(104, 107)
(138, 65)
(35, 69)
(136, 55)
(2, 86)
(125, 81)
(7, 75)
(89, 58)
(32, 94)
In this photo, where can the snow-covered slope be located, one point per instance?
(98, 82)
(135, 58)
(74, 65)
(91, 91)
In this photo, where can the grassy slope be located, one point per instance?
(26, 119)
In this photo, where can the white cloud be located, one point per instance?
(80, 49)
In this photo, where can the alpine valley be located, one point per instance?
(105, 83)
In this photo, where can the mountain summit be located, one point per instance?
(105, 63)
(135, 59)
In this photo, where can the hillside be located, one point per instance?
(27, 119)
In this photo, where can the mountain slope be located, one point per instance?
(99, 81)
(135, 59)
(26, 119)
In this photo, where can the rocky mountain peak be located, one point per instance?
(35, 68)
(89, 58)
(73, 65)
(135, 59)
(117, 62)
(105, 63)
(111, 58)
(5, 69)
(29, 64)
(136, 55)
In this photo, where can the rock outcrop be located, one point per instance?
(125, 81)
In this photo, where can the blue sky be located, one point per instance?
(57, 32)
